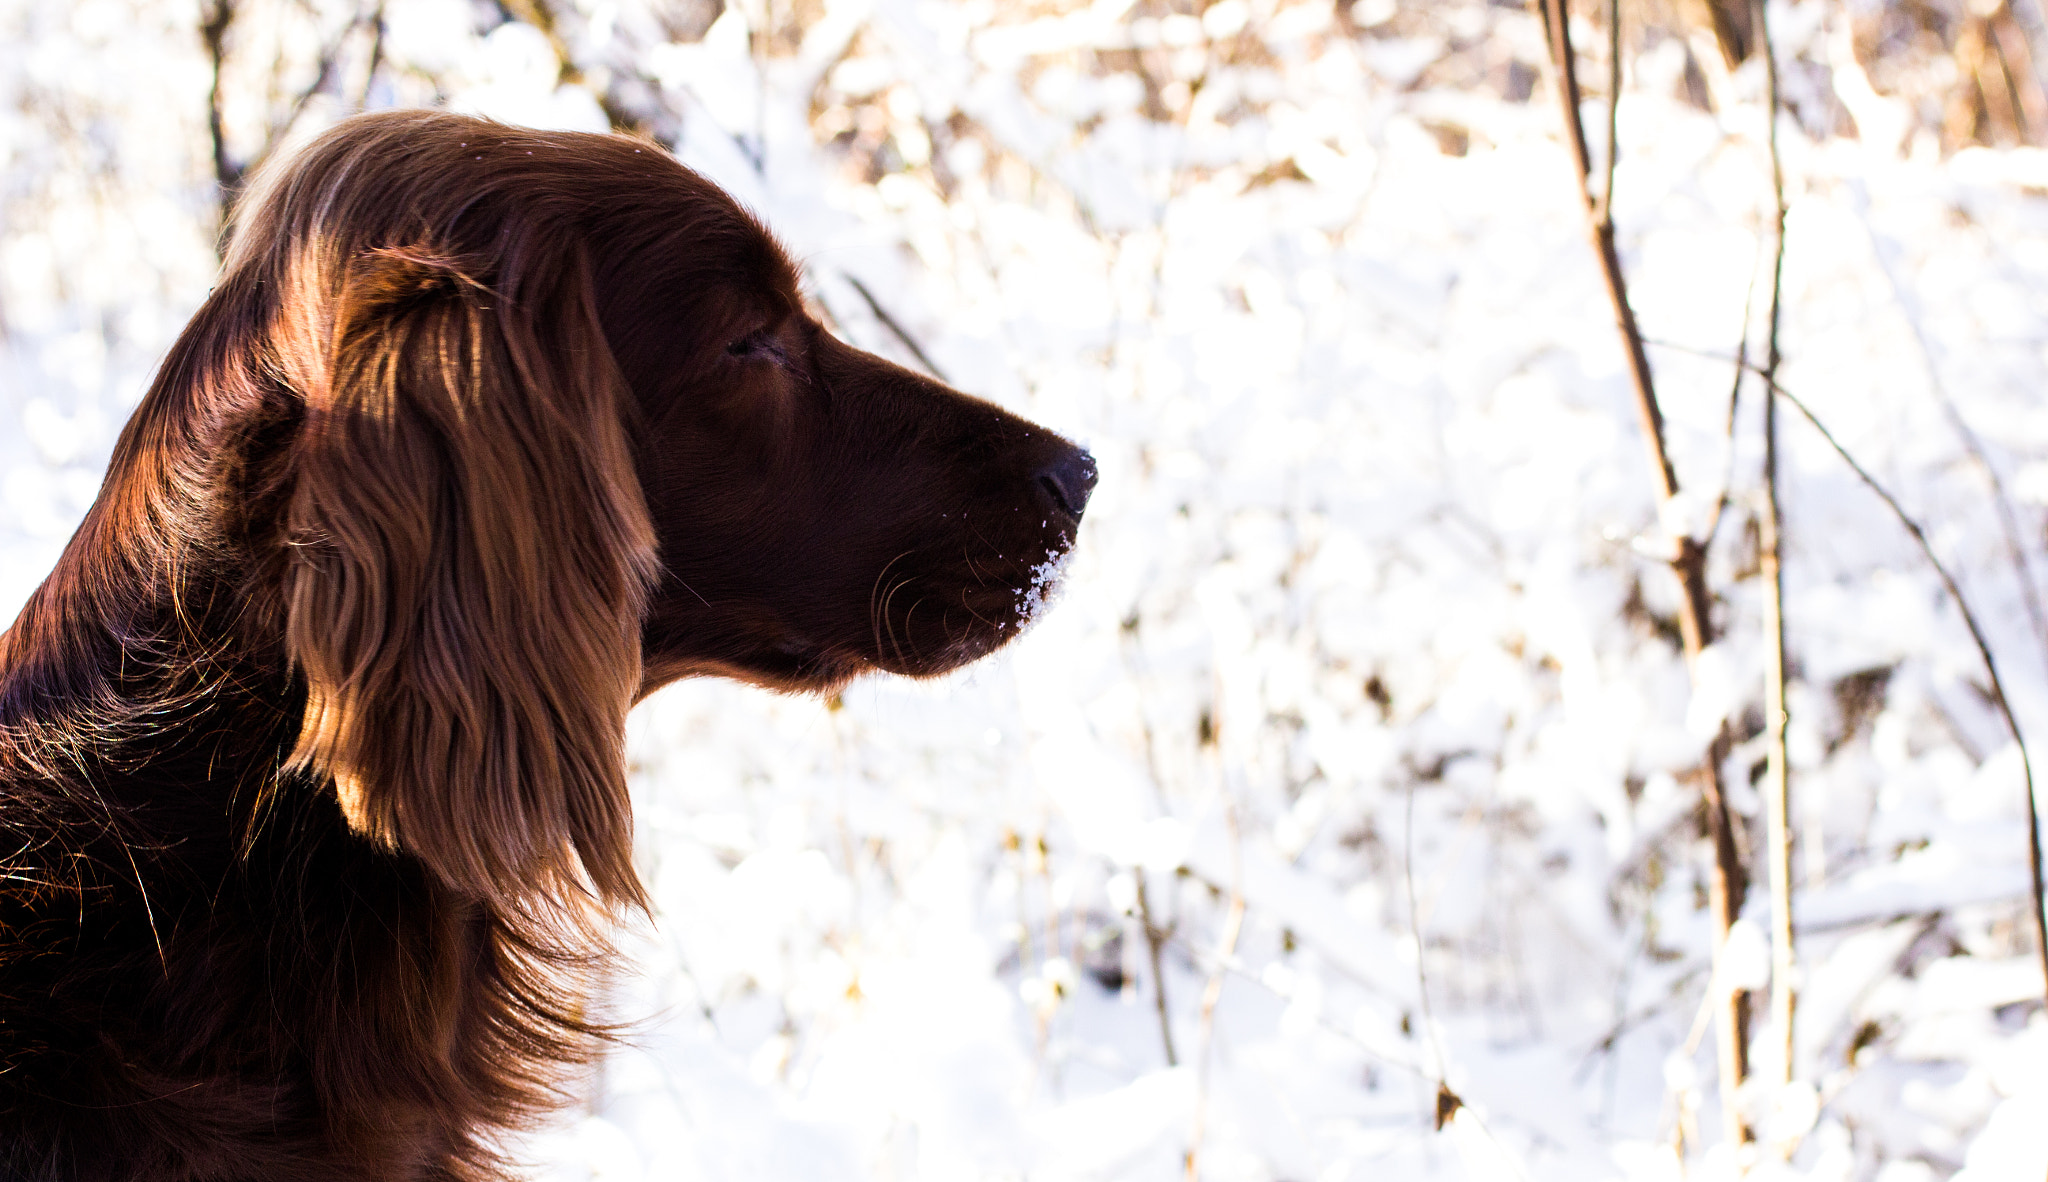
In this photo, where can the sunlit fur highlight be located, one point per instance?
(313, 809)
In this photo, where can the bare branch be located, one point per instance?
(541, 15)
(1777, 794)
(895, 329)
(2001, 501)
(1729, 881)
(228, 173)
(1436, 1050)
(1955, 592)
(1154, 937)
(330, 57)
(215, 18)
(1998, 694)
(1733, 30)
(378, 30)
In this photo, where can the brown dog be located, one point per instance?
(310, 747)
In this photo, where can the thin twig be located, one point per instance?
(1234, 965)
(1726, 888)
(1778, 791)
(1729, 882)
(1154, 937)
(1436, 1050)
(897, 330)
(228, 173)
(378, 29)
(1558, 20)
(541, 15)
(1955, 592)
(1233, 926)
(330, 57)
(1734, 405)
(1613, 109)
(1998, 694)
(213, 31)
(2001, 500)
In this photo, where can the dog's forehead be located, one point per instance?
(680, 221)
(625, 197)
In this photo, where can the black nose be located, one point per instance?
(1068, 480)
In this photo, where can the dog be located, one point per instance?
(313, 807)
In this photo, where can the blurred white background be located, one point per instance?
(1365, 687)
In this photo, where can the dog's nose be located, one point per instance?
(1068, 480)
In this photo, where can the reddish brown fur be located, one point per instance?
(310, 748)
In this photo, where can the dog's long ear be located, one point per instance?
(470, 556)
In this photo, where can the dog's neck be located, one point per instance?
(157, 624)
(123, 691)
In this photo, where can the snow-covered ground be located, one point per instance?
(1363, 684)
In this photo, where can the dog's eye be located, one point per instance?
(763, 345)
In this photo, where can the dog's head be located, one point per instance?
(565, 431)
(820, 512)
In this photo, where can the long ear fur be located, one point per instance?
(470, 556)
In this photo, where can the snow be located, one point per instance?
(1367, 627)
